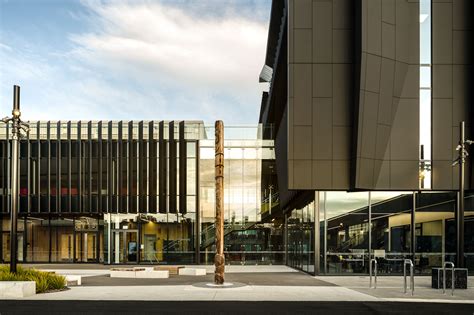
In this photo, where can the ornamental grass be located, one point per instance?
(45, 281)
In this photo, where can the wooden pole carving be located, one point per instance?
(219, 259)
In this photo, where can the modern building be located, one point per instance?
(139, 192)
(366, 99)
(351, 160)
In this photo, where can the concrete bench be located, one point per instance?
(139, 272)
(152, 274)
(73, 280)
(192, 272)
(173, 270)
(17, 289)
(123, 272)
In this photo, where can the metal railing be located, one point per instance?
(374, 261)
(412, 278)
(444, 277)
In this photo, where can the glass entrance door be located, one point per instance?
(6, 246)
(125, 246)
(86, 246)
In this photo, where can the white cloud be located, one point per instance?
(143, 60)
(159, 42)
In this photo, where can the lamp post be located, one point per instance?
(17, 126)
(463, 154)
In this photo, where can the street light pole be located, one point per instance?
(17, 125)
(461, 160)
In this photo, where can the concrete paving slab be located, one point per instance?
(190, 293)
(209, 268)
(391, 288)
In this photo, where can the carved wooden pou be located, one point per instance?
(219, 259)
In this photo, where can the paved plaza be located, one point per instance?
(258, 289)
(256, 283)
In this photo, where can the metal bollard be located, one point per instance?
(412, 277)
(375, 272)
(452, 277)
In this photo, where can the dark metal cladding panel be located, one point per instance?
(79, 167)
(387, 117)
(142, 169)
(152, 169)
(28, 174)
(3, 170)
(182, 169)
(121, 168)
(47, 155)
(281, 154)
(319, 72)
(111, 173)
(173, 169)
(90, 207)
(197, 226)
(132, 180)
(163, 169)
(451, 86)
(100, 168)
(38, 169)
(23, 171)
(69, 168)
(58, 167)
(7, 171)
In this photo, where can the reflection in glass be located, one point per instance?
(425, 95)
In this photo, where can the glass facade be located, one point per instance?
(301, 238)
(250, 194)
(355, 227)
(141, 192)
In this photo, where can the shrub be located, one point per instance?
(45, 281)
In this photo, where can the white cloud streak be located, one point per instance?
(154, 42)
(148, 60)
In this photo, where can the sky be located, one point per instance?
(134, 60)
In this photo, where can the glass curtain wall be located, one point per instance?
(391, 230)
(346, 226)
(6, 225)
(352, 223)
(37, 240)
(252, 235)
(150, 238)
(301, 238)
(62, 240)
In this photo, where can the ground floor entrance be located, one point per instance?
(55, 239)
(339, 232)
(125, 246)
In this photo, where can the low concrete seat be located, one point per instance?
(152, 274)
(73, 280)
(17, 289)
(173, 270)
(192, 272)
(122, 273)
(139, 272)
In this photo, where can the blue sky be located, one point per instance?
(134, 59)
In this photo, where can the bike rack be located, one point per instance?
(375, 272)
(412, 278)
(444, 277)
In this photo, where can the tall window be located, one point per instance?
(425, 94)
